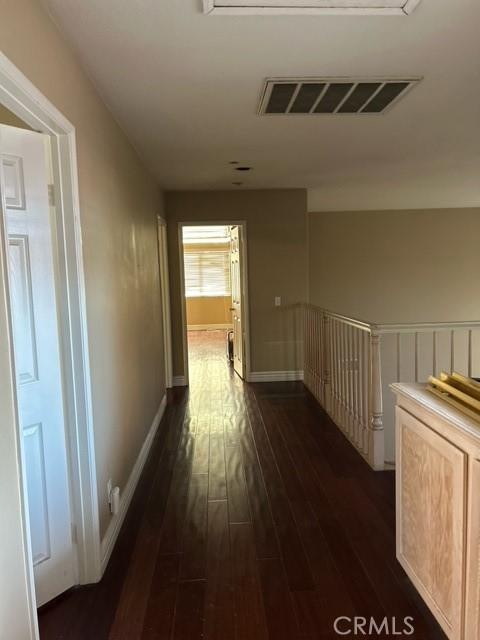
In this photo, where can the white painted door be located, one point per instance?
(236, 275)
(37, 357)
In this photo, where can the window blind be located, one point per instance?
(207, 273)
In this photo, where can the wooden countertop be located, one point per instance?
(419, 393)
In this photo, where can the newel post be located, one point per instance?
(376, 445)
(326, 362)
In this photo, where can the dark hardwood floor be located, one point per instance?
(254, 519)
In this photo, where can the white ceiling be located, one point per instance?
(185, 87)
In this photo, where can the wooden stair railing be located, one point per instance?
(349, 366)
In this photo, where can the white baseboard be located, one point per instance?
(274, 376)
(179, 381)
(111, 535)
(208, 327)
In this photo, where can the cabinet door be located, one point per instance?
(431, 488)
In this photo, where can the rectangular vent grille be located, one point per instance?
(332, 96)
(310, 7)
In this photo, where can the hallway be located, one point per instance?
(254, 519)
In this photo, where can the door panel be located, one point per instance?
(237, 318)
(37, 357)
(13, 182)
(22, 309)
(37, 492)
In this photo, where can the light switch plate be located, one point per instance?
(278, 301)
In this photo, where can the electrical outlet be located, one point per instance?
(278, 301)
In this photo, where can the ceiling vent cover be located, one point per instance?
(334, 96)
(309, 7)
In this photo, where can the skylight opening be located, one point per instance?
(310, 7)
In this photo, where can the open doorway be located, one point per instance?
(214, 281)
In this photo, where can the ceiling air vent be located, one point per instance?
(339, 96)
(309, 7)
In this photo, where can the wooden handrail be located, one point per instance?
(354, 322)
(408, 327)
(402, 327)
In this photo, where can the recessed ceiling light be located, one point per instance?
(243, 168)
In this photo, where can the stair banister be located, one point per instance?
(349, 365)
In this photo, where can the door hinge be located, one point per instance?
(51, 195)
(74, 533)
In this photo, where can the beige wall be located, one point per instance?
(119, 201)
(9, 118)
(207, 311)
(277, 265)
(397, 266)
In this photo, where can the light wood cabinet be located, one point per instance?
(438, 507)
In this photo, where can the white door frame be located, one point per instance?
(21, 97)
(165, 296)
(245, 296)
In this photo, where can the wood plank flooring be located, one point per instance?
(254, 519)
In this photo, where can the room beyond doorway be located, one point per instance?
(208, 289)
(214, 285)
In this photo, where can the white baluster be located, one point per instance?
(355, 383)
(349, 380)
(334, 331)
(359, 386)
(326, 330)
(306, 349)
(344, 379)
(362, 385)
(376, 436)
(470, 354)
(309, 347)
(318, 349)
(339, 371)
